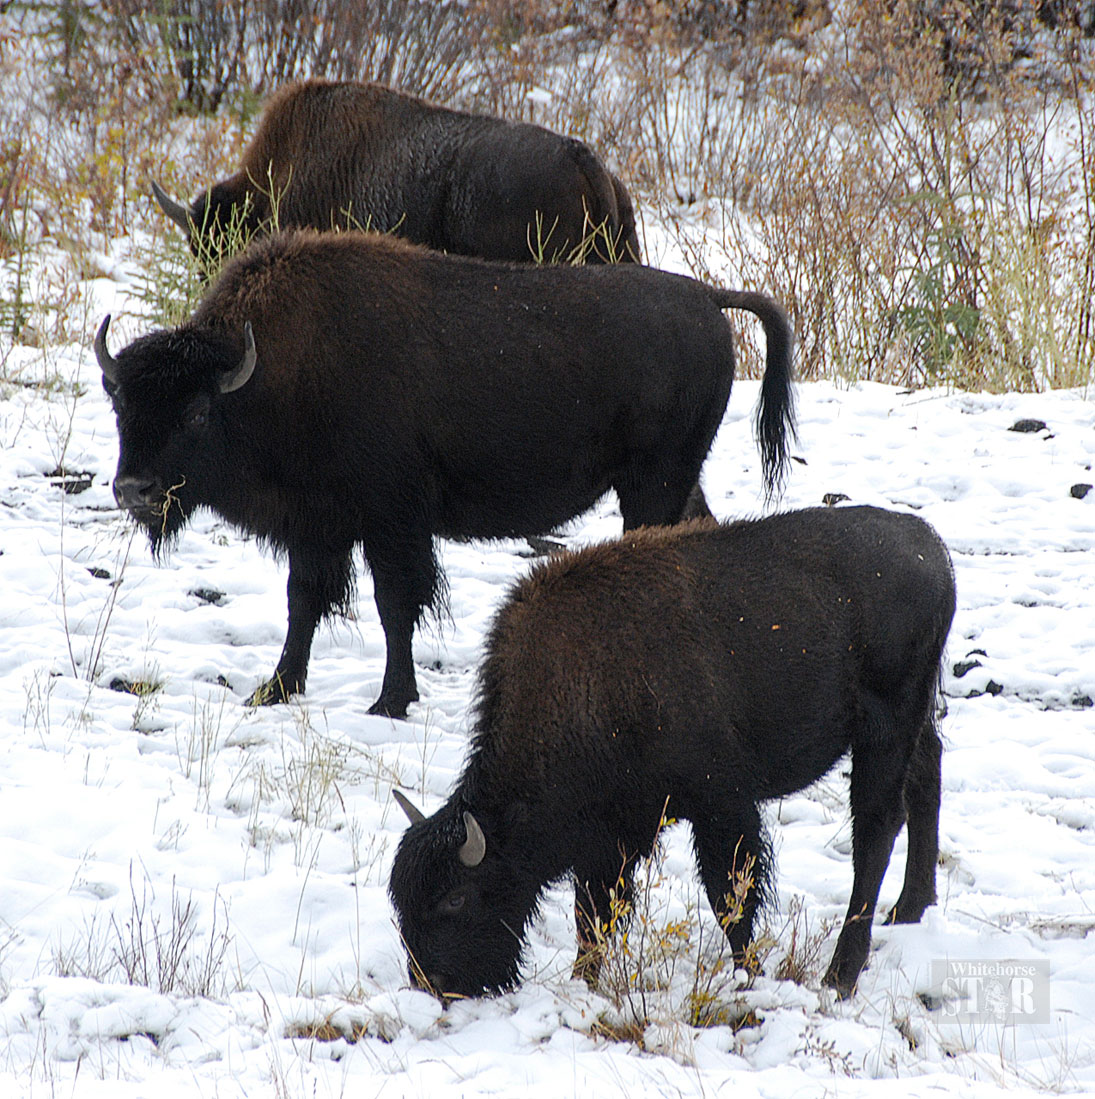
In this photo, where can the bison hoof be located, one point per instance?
(841, 982)
(391, 707)
(271, 693)
(587, 967)
(908, 911)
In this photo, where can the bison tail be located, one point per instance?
(775, 419)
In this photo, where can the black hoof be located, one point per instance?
(271, 693)
(386, 707)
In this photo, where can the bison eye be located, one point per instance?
(197, 413)
(454, 902)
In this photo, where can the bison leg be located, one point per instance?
(921, 795)
(318, 583)
(734, 861)
(659, 496)
(879, 766)
(603, 894)
(402, 589)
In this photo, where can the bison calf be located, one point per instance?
(343, 390)
(706, 667)
(345, 154)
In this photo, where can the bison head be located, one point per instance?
(167, 389)
(220, 221)
(461, 903)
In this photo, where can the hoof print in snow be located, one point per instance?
(991, 688)
(1028, 427)
(540, 547)
(208, 595)
(831, 499)
(138, 687)
(70, 481)
(969, 663)
(1079, 491)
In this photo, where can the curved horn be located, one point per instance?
(475, 846)
(106, 361)
(242, 374)
(178, 213)
(414, 814)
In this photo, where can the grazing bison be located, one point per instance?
(698, 671)
(337, 155)
(336, 390)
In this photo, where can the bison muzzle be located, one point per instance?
(348, 390)
(696, 671)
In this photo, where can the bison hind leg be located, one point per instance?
(661, 495)
(882, 751)
(921, 794)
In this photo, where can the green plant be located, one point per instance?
(942, 321)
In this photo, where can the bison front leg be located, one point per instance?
(734, 863)
(402, 589)
(318, 584)
(603, 896)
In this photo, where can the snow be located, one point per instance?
(193, 894)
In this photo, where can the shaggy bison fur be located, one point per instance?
(350, 155)
(351, 390)
(696, 671)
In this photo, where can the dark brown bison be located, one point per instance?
(336, 390)
(337, 155)
(698, 671)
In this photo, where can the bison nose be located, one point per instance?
(135, 493)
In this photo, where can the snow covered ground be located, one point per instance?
(193, 894)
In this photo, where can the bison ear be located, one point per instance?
(242, 373)
(414, 814)
(474, 848)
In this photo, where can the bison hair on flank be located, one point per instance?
(344, 392)
(696, 671)
(349, 155)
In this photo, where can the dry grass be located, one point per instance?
(915, 181)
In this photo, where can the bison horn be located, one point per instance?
(475, 846)
(174, 210)
(414, 814)
(242, 374)
(106, 361)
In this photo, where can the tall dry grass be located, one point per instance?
(915, 181)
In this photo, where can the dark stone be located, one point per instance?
(830, 499)
(1028, 427)
(1079, 491)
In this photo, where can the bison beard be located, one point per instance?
(349, 155)
(347, 390)
(698, 670)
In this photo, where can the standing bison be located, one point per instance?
(337, 155)
(697, 671)
(342, 390)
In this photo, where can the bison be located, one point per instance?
(695, 671)
(346, 154)
(342, 390)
